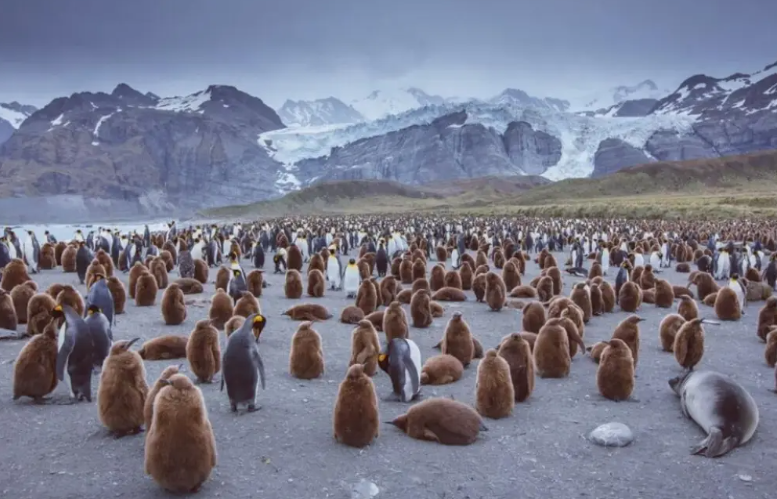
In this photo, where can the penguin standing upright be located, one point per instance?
(84, 257)
(381, 260)
(740, 290)
(5, 255)
(75, 353)
(351, 279)
(666, 255)
(258, 256)
(401, 359)
(280, 261)
(770, 272)
(102, 336)
(455, 259)
(31, 250)
(605, 254)
(621, 279)
(334, 270)
(242, 366)
(100, 296)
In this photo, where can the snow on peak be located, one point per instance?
(517, 97)
(605, 100)
(319, 112)
(382, 103)
(15, 113)
(187, 103)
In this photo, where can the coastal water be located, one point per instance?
(65, 232)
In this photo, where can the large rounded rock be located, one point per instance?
(612, 435)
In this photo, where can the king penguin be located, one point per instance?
(739, 288)
(351, 279)
(237, 285)
(334, 270)
(102, 336)
(723, 265)
(258, 256)
(31, 250)
(75, 353)
(101, 297)
(84, 257)
(605, 253)
(242, 366)
(401, 359)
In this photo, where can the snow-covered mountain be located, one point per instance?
(12, 115)
(329, 111)
(382, 103)
(604, 101)
(515, 97)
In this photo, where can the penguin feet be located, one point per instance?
(233, 407)
(393, 397)
(253, 407)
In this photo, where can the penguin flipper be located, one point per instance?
(258, 364)
(415, 376)
(67, 342)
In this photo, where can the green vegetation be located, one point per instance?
(733, 187)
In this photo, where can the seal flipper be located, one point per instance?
(715, 445)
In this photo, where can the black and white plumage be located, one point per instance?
(242, 367)
(102, 335)
(101, 297)
(75, 353)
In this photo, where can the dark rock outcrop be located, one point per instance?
(614, 155)
(532, 151)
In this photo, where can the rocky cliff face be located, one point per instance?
(447, 148)
(129, 151)
(614, 155)
(329, 111)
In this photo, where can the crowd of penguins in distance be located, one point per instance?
(71, 336)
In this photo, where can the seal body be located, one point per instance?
(721, 406)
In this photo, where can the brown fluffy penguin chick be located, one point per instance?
(316, 263)
(201, 270)
(615, 374)
(437, 309)
(158, 269)
(189, 286)
(366, 298)
(376, 318)
(306, 358)
(510, 275)
(649, 296)
(293, 284)
(452, 279)
(437, 277)
(449, 294)
(69, 259)
(70, 296)
(173, 305)
(458, 340)
(597, 304)
(388, 289)
(551, 352)
(533, 317)
(647, 280)
(203, 351)
(38, 313)
(441, 370)
(316, 283)
(21, 296)
(105, 260)
(421, 309)
(169, 346)
(378, 296)
(395, 322)
(35, 368)
(595, 270)
(405, 296)
(496, 292)
(667, 330)
(495, 396)
(727, 306)
(682, 291)
(54, 290)
(47, 259)
(689, 344)
(479, 287)
(523, 292)
(148, 408)
(664, 294)
(146, 290)
(355, 418)
(247, 305)
(308, 312)
(119, 294)
(767, 317)
(121, 396)
(709, 300)
(255, 282)
(136, 271)
(420, 284)
(92, 271)
(481, 269)
(233, 324)
(351, 315)
(8, 318)
(441, 420)
(705, 285)
(517, 352)
(419, 269)
(687, 308)
(544, 289)
(770, 352)
(180, 449)
(14, 273)
(608, 297)
(574, 333)
(597, 349)
(630, 297)
(628, 331)
(365, 347)
(465, 271)
(220, 309)
(581, 297)
(406, 271)
(294, 258)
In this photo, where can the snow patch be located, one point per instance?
(187, 103)
(58, 120)
(382, 103)
(15, 118)
(96, 131)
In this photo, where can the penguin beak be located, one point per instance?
(164, 382)
(130, 342)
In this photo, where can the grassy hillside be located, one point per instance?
(729, 187)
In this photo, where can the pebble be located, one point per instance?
(612, 435)
(364, 489)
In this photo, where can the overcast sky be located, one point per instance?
(303, 49)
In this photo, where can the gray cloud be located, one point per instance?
(314, 48)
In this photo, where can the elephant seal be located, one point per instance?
(721, 406)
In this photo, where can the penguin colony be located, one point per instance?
(397, 278)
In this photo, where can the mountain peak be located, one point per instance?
(319, 112)
(131, 96)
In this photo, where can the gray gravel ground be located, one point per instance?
(286, 450)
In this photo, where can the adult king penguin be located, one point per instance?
(401, 359)
(75, 353)
(351, 279)
(334, 270)
(242, 366)
(31, 250)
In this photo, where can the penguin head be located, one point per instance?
(122, 346)
(93, 309)
(352, 261)
(57, 312)
(734, 277)
(236, 272)
(257, 325)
